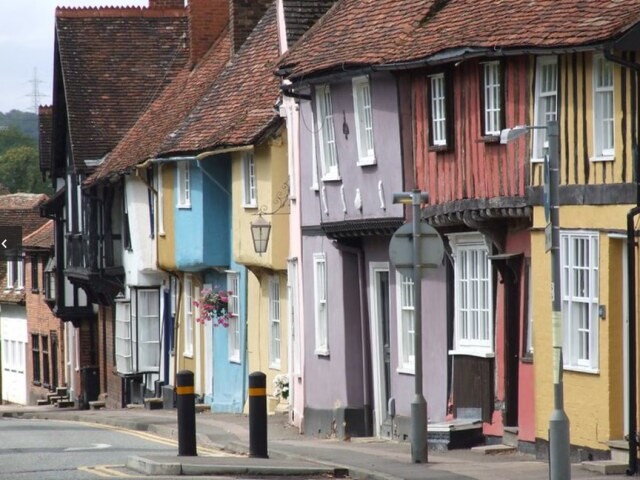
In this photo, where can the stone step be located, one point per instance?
(65, 403)
(202, 407)
(619, 450)
(155, 403)
(494, 449)
(53, 399)
(510, 436)
(97, 404)
(42, 402)
(62, 391)
(606, 467)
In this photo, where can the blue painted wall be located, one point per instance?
(230, 378)
(203, 232)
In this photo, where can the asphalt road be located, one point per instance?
(50, 449)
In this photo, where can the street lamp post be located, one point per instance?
(419, 404)
(559, 444)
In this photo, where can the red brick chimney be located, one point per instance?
(207, 20)
(245, 14)
(165, 4)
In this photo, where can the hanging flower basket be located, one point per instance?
(214, 306)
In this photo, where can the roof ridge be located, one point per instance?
(131, 11)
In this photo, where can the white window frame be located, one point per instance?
(492, 88)
(546, 103)
(184, 184)
(603, 109)
(326, 134)
(145, 322)
(406, 315)
(249, 180)
(438, 109)
(473, 297)
(233, 330)
(188, 316)
(123, 347)
(315, 186)
(274, 322)
(20, 270)
(321, 314)
(10, 279)
(579, 257)
(363, 111)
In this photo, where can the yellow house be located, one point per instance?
(260, 181)
(594, 100)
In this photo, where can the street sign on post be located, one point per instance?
(401, 248)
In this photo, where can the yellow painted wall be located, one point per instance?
(271, 179)
(576, 124)
(259, 324)
(593, 401)
(167, 242)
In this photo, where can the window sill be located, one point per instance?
(248, 206)
(188, 354)
(576, 369)
(235, 360)
(537, 160)
(322, 352)
(527, 358)
(184, 207)
(275, 366)
(490, 139)
(438, 148)
(602, 159)
(331, 177)
(473, 352)
(405, 371)
(314, 188)
(366, 162)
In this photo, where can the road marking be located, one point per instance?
(95, 446)
(107, 471)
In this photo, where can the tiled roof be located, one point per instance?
(40, 238)
(300, 15)
(373, 32)
(147, 136)
(45, 118)
(114, 62)
(238, 108)
(22, 209)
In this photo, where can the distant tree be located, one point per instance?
(20, 171)
(26, 122)
(12, 137)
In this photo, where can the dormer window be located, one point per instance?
(440, 115)
(492, 99)
(364, 120)
(184, 185)
(15, 274)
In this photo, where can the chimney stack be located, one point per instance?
(207, 20)
(165, 4)
(245, 16)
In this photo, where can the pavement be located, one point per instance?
(223, 445)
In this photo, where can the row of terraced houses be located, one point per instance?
(176, 128)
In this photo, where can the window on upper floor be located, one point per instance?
(603, 119)
(184, 185)
(320, 303)
(406, 323)
(364, 120)
(233, 286)
(440, 114)
(546, 103)
(473, 309)
(249, 179)
(15, 273)
(579, 279)
(492, 99)
(34, 274)
(35, 358)
(326, 134)
(160, 200)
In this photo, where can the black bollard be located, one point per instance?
(258, 415)
(186, 414)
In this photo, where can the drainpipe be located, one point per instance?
(364, 327)
(631, 292)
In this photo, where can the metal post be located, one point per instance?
(559, 450)
(419, 404)
(186, 414)
(258, 415)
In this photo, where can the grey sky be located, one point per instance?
(26, 46)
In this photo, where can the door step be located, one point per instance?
(452, 434)
(606, 467)
(510, 436)
(494, 449)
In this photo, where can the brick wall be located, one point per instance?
(110, 382)
(41, 321)
(245, 16)
(207, 20)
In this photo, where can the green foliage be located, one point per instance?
(19, 166)
(26, 122)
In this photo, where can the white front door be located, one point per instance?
(380, 344)
(14, 351)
